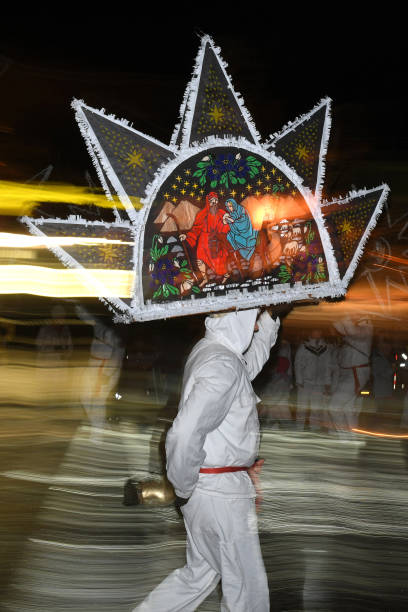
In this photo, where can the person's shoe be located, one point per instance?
(131, 495)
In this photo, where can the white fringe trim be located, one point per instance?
(369, 228)
(188, 106)
(238, 300)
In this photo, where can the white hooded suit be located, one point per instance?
(217, 426)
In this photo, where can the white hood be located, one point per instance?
(233, 329)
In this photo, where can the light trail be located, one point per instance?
(22, 241)
(19, 199)
(63, 283)
(379, 434)
(389, 257)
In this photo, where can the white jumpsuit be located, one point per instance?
(217, 426)
(353, 361)
(313, 374)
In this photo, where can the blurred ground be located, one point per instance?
(333, 524)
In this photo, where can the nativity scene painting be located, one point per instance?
(225, 221)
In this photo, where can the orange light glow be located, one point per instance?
(273, 209)
(379, 434)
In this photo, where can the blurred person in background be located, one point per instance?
(353, 372)
(277, 384)
(54, 340)
(313, 379)
(103, 370)
(211, 461)
(382, 372)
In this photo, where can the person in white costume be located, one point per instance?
(103, 371)
(275, 410)
(212, 443)
(313, 378)
(353, 360)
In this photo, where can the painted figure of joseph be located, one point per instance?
(208, 233)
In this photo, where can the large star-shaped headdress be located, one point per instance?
(216, 219)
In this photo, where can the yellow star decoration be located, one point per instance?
(216, 114)
(302, 152)
(109, 255)
(135, 159)
(233, 193)
(346, 227)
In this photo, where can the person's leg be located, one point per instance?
(244, 580)
(302, 406)
(185, 588)
(225, 533)
(316, 407)
(342, 402)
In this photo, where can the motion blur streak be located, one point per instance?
(22, 241)
(379, 434)
(19, 199)
(63, 283)
(400, 260)
(332, 512)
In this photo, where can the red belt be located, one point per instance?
(356, 381)
(222, 470)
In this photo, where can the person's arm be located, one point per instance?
(258, 352)
(200, 413)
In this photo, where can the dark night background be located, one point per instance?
(137, 66)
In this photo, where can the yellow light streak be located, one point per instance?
(63, 283)
(380, 434)
(22, 241)
(18, 199)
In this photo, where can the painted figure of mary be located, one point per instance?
(242, 236)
